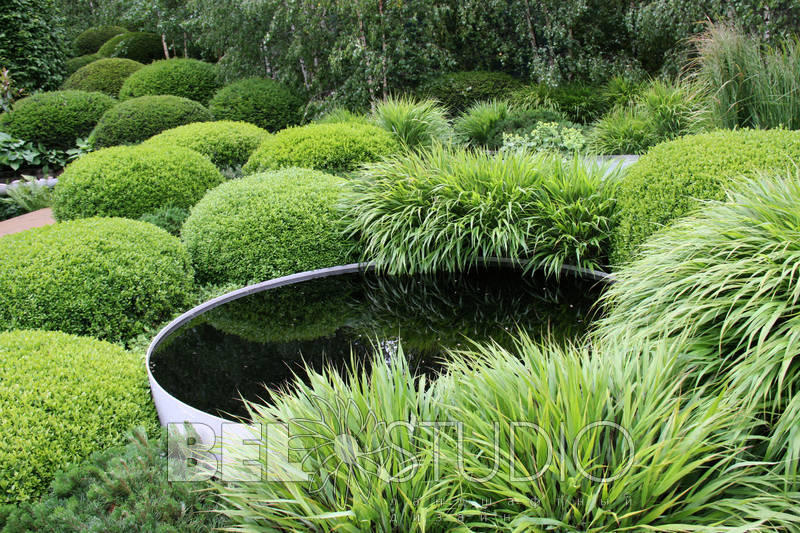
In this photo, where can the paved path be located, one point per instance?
(42, 217)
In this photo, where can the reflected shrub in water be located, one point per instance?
(445, 209)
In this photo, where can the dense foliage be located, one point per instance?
(129, 181)
(90, 40)
(117, 490)
(413, 123)
(263, 102)
(104, 75)
(669, 181)
(59, 405)
(170, 219)
(266, 226)
(337, 148)
(109, 278)
(143, 47)
(458, 90)
(483, 124)
(72, 65)
(137, 119)
(32, 43)
(580, 103)
(446, 209)
(56, 119)
(188, 78)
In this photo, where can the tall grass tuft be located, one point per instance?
(414, 123)
(751, 85)
(723, 285)
(446, 209)
(478, 125)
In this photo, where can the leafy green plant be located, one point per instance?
(143, 47)
(547, 137)
(267, 225)
(74, 64)
(623, 130)
(129, 181)
(137, 119)
(59, 405)
(189, 78)
(485, 123)
(621, 90)
(266, 103)
(341, 114)
(458, 90)
(581, 104)
(109, 278)
(9, 93)
(105, 75)
(446, 209)
(117, 490)
(721, 284)
(335, 148)
(170, 219)
(91, 39)
(413, 123)
(29, 194)
(55, 119)
(228, 144)
(673, 177)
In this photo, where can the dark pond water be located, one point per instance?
(237, 349)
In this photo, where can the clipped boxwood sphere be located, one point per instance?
(341, 147)
(72, 65)
(672, 177)
(130, 181)
(104, 75)
(263, 102)
(188, 78)
(143, 47)
(458, 90)
(63, 397)
(137, 119)
(92, 39)
(57, 118)
(267, 225)
(110, 278)
(228, 144)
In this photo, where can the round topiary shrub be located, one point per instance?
(228, 144)
(57, 118)
(72, 65)
(188, 78)
(143, 47)
(104, 75)
(63, 397)
(135, 120)
(339, 147)
(268, 225)
(90, 40)
(130, 181)
(458, 90)
(263, 102)
(673, 177)
(108, 278)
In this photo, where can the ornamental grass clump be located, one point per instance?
(446, 209)
(413, 123)
(723, 286)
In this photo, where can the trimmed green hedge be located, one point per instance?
(143, 47)
(57, 118)
(72, 65)
(130, 181)
(104, 75)
(135, 120)
(263, 102)
(228, 144)
(63, 397)
(188, 78)
(668, 181)
(458, 90)
(90, 40)
(108, 278)
(341, 147)
(268, 225)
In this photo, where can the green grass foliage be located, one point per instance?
(266, 103)
(484, 123)
(137, 119)
(63, 397)
(108, 278)
(129, 181)
(335, 148)
(413, 123)
(55, 119)
(667, 183)
(143, 47)
(72, 65)
(90, 40)
(267, 225)
(228, 144)
(104, 75)
(458, 90)
(188, 78)
(581, 104)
